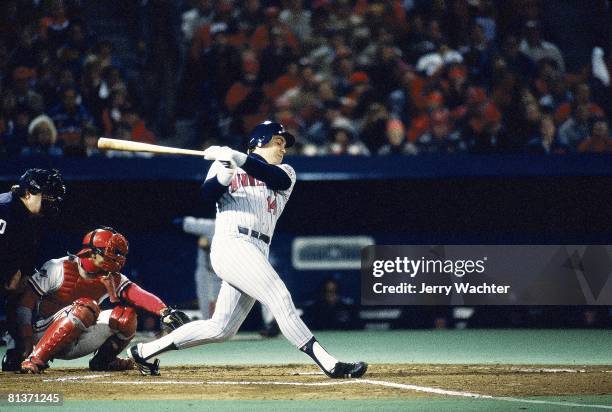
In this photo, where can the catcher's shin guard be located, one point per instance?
(123, 322)
(65, 330)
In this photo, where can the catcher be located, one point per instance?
(67, 292)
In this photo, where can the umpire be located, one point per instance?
(38, 194)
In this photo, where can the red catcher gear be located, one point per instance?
(123, 321)
(108, 243)
(61, 333)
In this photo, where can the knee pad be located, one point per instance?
(123, 321)
(84, 312)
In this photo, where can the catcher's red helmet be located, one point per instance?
(108, 243)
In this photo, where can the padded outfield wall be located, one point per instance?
(390, 200)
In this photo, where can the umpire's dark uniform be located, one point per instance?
(20, 232)
(19, 237)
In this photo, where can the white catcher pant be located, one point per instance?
(89, 341)
(247, 276)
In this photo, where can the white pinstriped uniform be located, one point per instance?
(242, 262)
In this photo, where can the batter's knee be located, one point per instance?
(123, 321)
(217, 332)
(84, 312)
(281, 297)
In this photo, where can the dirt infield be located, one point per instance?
(304, 382)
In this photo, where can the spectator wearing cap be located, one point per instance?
(536, 49)
(600, 140)
(42, 138)
(342, 141)
(397, 144)
(440, 138)
(70, 116)
(575, 129)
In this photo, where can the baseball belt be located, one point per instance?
(255, 234)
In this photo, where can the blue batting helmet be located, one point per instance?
(263, 132)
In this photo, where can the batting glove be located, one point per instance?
(225, 174)
(222, 153)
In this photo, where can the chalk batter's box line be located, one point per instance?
(416, 388)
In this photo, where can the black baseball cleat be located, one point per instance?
(344, 370)
(146, 368)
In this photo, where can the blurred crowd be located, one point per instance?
(356, 77)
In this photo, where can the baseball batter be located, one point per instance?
(250, 192)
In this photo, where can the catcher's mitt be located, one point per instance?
(173, 318)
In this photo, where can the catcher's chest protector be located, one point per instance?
(74, 286)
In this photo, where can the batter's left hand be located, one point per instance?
(225, 154)
(218, 153)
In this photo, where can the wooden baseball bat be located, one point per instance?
(128, 146)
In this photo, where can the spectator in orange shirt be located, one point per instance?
(599, 142)
(262, 37)
(138, 129)
(582, 95)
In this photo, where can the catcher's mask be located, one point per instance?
(49, 183)
(108, 243)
